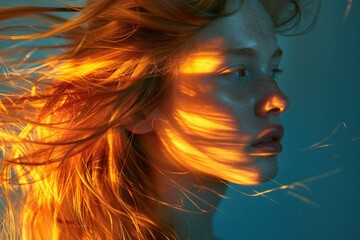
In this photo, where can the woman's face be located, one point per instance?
(222, 116)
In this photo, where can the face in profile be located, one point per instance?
(222, 116)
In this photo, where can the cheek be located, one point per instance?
(216, 108)
(203, 137)
(204, 114)
(191, 147)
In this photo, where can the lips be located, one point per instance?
(268, 141)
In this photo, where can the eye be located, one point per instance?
(240, 73)
(275, 72)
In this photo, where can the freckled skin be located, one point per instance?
(229, 100)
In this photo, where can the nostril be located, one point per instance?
(274, 111)
(275, 103)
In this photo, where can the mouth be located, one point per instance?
(268, 142)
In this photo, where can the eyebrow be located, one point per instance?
(250, 52)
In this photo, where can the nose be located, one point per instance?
(272, 103)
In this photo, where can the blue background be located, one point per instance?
(321, 77)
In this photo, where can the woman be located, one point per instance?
(135, 128)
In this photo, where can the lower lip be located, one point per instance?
(267, 148)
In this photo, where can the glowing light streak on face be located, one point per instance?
(199, 122)
(206, 159)
(182, 146)
(207, 140)
(214, 133)
(204, 62)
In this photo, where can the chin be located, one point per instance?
(267, 169)
(262, 170)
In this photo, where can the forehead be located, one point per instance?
(250, 26)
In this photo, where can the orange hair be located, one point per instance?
(69, 168)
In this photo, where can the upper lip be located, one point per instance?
(273, 133)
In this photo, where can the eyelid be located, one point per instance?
(232, 69)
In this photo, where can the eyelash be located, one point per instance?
(275, 72)
(243, 71)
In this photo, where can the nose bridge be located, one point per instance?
(271, 100)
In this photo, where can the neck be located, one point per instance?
(188, 203)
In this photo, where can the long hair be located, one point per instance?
(69, 168)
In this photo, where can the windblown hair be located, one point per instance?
(69, 168)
